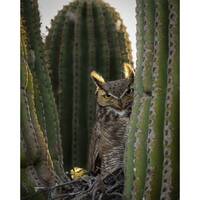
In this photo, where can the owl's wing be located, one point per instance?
(94, 158)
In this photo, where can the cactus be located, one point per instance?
(44, 101)
(85, 35)
(41, 149)
(152, 151)
(36, 164)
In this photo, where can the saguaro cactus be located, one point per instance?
(36, 165)
(152, 152)
(85, 35)
(45, 106)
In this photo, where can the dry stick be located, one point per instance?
(71, 194)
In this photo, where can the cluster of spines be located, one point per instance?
(88, 40)
(151, 158)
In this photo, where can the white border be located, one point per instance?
(10, 100)
(190, 100)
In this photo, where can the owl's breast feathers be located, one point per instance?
(108, 141)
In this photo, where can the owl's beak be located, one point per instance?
(122, 106)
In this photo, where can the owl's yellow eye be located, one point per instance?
(106, 95)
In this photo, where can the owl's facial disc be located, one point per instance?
(114, 94)
(107, 99)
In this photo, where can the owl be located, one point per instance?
(114, 102)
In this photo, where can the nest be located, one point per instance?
(109, 187)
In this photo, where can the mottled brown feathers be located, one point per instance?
(114, 102)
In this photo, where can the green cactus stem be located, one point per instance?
(37, 152)
(37, 168)
(170, 173)
(138, 88)
(44, 99)
(140, 147)
(157, 109)
(152, 156)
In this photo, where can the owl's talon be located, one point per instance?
(98, 186)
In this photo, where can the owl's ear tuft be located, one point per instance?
(98, 79)
(129, 72)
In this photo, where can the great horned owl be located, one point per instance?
(114, 102)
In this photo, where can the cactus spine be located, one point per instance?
(89, 39)
(152, 157)
(45, 106)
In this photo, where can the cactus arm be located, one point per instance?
(140, 155)
(35, 148)
(170, 174)
(129, 152)
(35, 137)
(26, 122)
(26, 13)
(155, 131)
(45, 102)
(65, 90)
(153, 138)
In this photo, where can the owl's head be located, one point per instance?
(116, 94)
